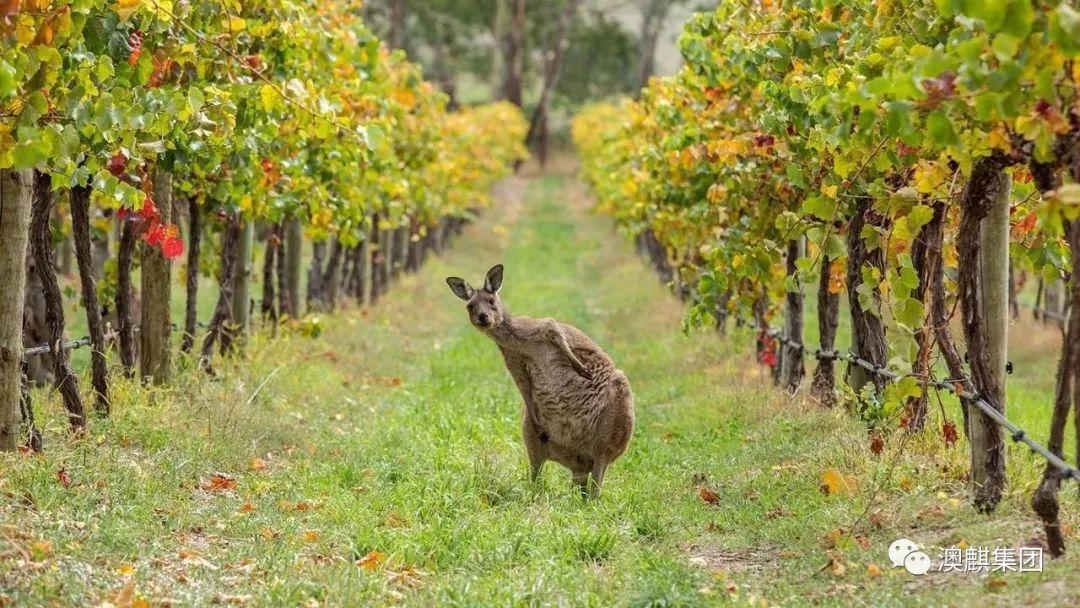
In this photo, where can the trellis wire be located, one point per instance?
(1018, 434)
(86, 341)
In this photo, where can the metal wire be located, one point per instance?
(85, 341)
(951, 385)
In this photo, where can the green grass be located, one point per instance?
(397, 431)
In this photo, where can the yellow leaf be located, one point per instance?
(126, 8)
(258, 464)
(311, 536)
(835, 482)
(873, 570)
(236, 24)
(126, 570)
(829, 191)
(371, 561)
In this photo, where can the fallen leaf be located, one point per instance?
(219, 482)
(311, 536)
(873, 570)
(996, 583)
(257, 464)
(833, 538)
(63, 478)
(269, 533)
(371, 561)
(877, 444)
(863, 542)
(126, 570)
(835, 482)
(835, 566)
(246, 508)
(708, 495)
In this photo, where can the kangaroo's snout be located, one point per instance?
(483, 319)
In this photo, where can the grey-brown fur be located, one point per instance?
(579, 410)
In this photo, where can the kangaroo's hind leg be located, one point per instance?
(597, 478)
(534, 447)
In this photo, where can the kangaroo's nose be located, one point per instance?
(483, 318)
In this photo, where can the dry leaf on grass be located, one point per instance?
(835, 482)
(371, 561)
(219, 482)
(708, 495)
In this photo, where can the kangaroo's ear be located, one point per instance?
(460, 288)
(493, 280)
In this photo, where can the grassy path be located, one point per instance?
(381, 463)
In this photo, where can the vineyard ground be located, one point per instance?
(392, 440)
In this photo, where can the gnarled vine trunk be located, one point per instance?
(64, 379)
(80, 229)
(823, 386)
(794, 368)
(191, 310)
(124, 295)
(268, 306)
(294, 244)
(221, 324)
(868, 332)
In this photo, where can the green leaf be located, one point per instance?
(941, 129)
(919, 216)
(909, 312)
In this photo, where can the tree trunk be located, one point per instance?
(80, 229)
(124, 295)
(794, 368)
(16, 195)
(654, 14)
(294, 244)
(510, 27)
(191, 310)
(221, 324)
(401, 250)
(986, 190)
(396, 36)
(388, 259)
(64, 378)
(362, 270)
(282, 274)
(934, 236)
(553, 68)
(1037, 313)
(331, 278)
(868, 333)
(1067, 390)
(375, 260)
(823, 387)
(155, 326)
(268, 307)
(916, 407)
(315, 296)
(241, 313)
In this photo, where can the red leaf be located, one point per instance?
(708, 495)
(948, 430)
(172, 248)
(117, 164)
(155, 234)
(63, 478)
(877, 444)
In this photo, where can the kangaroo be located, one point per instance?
(578, 410)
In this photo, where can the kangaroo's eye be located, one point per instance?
(471, 307)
